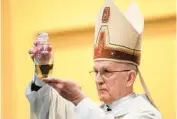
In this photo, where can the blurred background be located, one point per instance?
(70, 24)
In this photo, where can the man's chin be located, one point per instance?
(104, 99)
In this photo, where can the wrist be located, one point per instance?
(37, 81)
(78, 100)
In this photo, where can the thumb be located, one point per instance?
(57, 87)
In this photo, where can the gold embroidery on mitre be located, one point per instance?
(107, 45)
(104, 49)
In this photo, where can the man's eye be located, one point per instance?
(106, 71)
(96, 72)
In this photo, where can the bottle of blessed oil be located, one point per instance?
(43, 62)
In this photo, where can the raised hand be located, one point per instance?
(68, 89)
(43, 52)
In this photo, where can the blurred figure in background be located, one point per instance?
(117, 52)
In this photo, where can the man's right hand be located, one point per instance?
(38, 49)
(44, 50)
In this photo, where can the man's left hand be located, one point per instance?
(67, 89)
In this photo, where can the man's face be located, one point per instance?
(110, 85)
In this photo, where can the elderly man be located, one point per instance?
(117, 53)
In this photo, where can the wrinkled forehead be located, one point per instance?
(108, 64)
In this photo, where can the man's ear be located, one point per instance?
(131, 78)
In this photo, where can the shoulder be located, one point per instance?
(141, 108)
(143, 114)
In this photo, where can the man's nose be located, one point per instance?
(99, 79)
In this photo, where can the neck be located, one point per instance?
(124, 94)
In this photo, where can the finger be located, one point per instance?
(31, 51)
(55, 86)
(45, 52)
(35, 42)
(53, 80)
(49, 81)
(58, 88)
(52, 84)
(49, 48)
(32, 56)
(39, 48)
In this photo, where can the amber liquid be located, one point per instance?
(43, 71)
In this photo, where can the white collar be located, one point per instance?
(120, 106)
(121, 101)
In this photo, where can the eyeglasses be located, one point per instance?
(105, 73)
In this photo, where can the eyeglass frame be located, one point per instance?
(107, 71)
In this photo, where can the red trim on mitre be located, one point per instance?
(106, 15)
